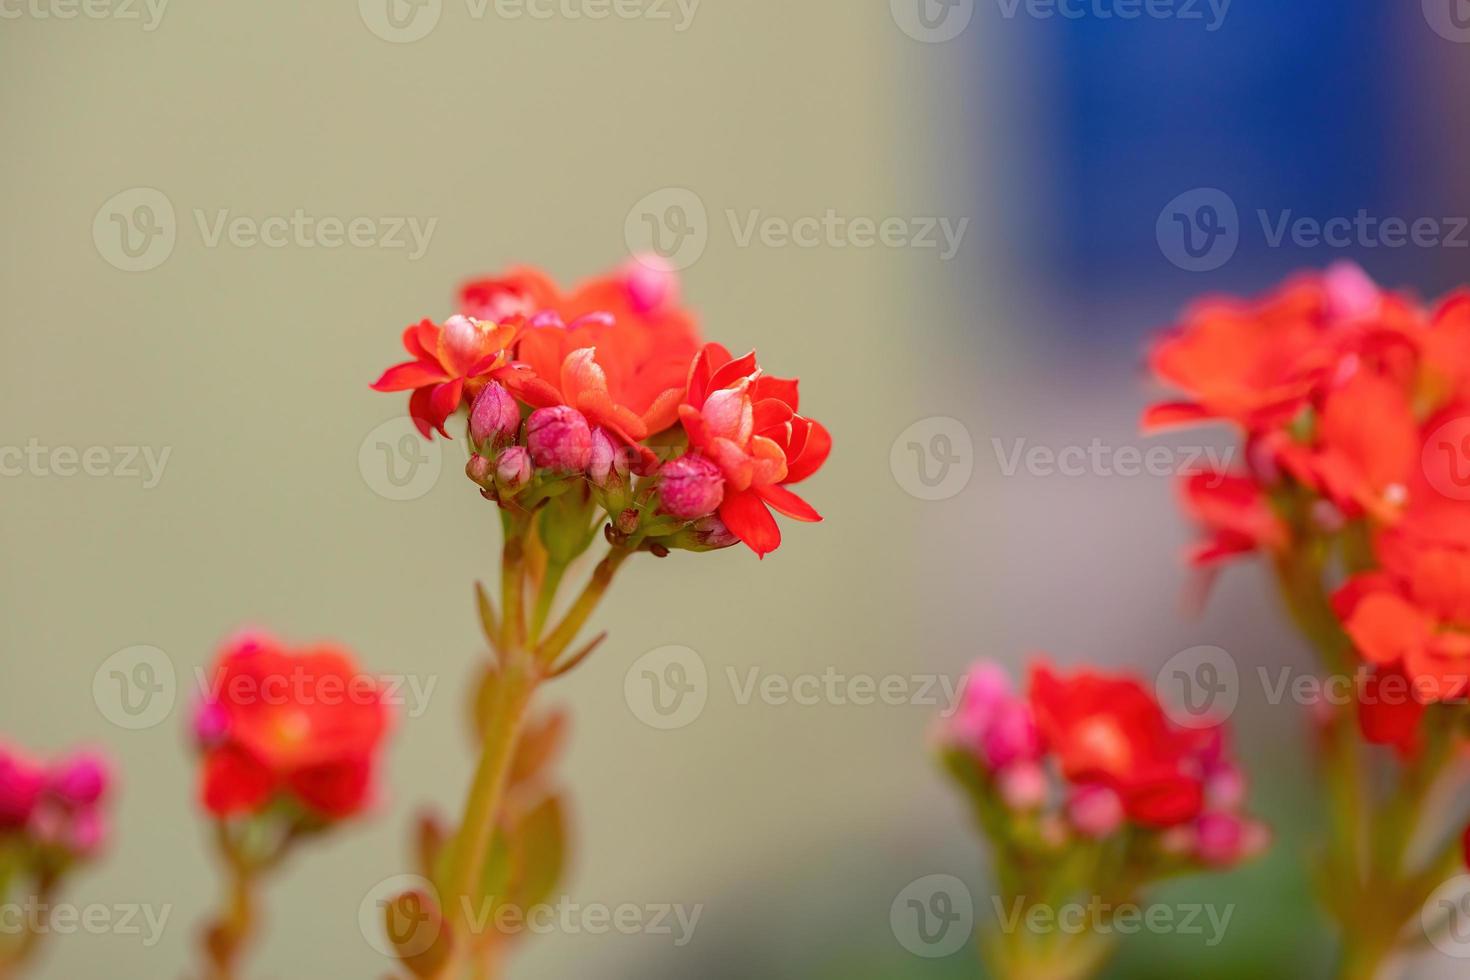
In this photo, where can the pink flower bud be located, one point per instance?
(513, 469)
(495, 417)
(1011, 735)
(712, 533)
(690, 487)
(21, 784)
(609, 459)
(81, 781)
(1351, 294)
(983, 690)
(652, 283)
(1023, 786)
(1221, 839)
(559, 439)
(211, 723)
(87, 833)
(480, 470)
(1225, 788)
(1095, 810)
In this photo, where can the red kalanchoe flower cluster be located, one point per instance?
(1099, 750)
(576, 397)
(301, 726)
(1350, 400)
(1353, 404)
(1083, 787)
(1334, 385)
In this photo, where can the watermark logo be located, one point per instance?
(671, 223)
(933, 916)
(932, 21)
(1211, 13)
(667, 688)
(397, 463)
(400, 21)
(1449, 18)
(135, 230)
(1446, 459)
(35, 916)
(1100, 917)
(1445, 918)
(143, 463)
(135, 688)
(934, 458)
(1198, 687)
(1099, 459)
(394, 920)
(1199, 230)
(148, 12)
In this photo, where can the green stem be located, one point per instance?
(547, 596)
(583, 607)
(521, 672)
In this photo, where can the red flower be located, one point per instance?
(305, 724)
(1364, 449)
(1388, 711)
(1414, 613)
(451, 364)
(1257, 364)
(1109, 730)
(745, 422)
(617, 348)
(1235, 514)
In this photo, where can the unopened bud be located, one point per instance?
(480, 470)
(1023, 786)
(495, 418)
(1221, 839)
(1095, 811)
(81, 781)
(513, 470)
(559, 439)
(691, 487)
(1011, 735)
(211, 723)
(652, 283)
(609, 460)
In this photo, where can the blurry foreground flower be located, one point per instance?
(290, 741)
(1352, 404)
(1083, 787)
(53, 820)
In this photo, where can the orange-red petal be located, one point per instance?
(745, 514)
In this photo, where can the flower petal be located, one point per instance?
(788, 503)
(745, 514)
(409, 375)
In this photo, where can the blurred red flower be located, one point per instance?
(306, 724)
(1111, 731)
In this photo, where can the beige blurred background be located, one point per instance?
(523, 140)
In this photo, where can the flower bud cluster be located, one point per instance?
(1093, 757)
(53, 815)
